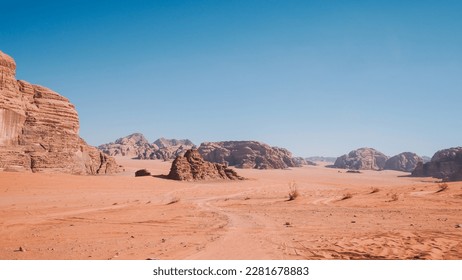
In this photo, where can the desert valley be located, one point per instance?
(64, 199)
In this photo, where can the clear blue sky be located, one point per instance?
(316, 77)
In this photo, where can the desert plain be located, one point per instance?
(336, 215)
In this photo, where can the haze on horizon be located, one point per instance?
(315, 77)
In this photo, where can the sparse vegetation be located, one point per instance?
(346, 196)
(375, 190)
(394, 197)
(293, 192)
(442, 187)
(173, 200)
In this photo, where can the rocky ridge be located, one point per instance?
(39, 130)
(362, 159)
(137, 146)
(247, 154)
(191, 167)
(406, 162)
(445, 164)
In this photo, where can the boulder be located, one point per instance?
(247, 154)
(39, 130)
(445, 164)
(192, 167)
(406, 162)
(142, 172)
(362, 159)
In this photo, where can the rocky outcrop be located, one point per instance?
(191, 167)
(39, 130)
(321, 159)
(299, 161)
(362, 159)
(142, 173)
(247, 154)
(169, 149)
(445, 164)
(137, 146)
(406, 162)
(132, 145)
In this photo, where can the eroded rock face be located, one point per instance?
(39, 130)
(191, 167)
(137, 146)
(406, 162)
(132, 145)
(169, 149)
(362, 159)
(445, 164)
(247, 154)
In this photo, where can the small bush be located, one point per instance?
(346, 196)
(375, 190)
(442, 187)
(173, 200)
(293, 192)
(394, 197)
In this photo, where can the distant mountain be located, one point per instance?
(362, 159)
(137, 146)
(321, 159)
(132, 145)
(426, 159)
(445, 164)
(247, 154)
(406, 162)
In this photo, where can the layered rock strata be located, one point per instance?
(247, 154)
(406, 162)
(445, 164)
(192, 167)
(39, 130)
(362, 159)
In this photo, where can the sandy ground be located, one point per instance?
(338, 215)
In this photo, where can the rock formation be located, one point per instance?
(445, 164)
(191, 166)
(132, 145)
(362, 159)
(142, 172)
(39, 130)
(406, 162)
(321, 159)
(247, 154)
(137, 146)
(169, 149)
(299, 161)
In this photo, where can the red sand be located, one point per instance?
(56, 216)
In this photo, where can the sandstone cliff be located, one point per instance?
(247, 154)
(362, 159)
(406, 162)
(39, 130)
(191, 166)
(445, 164)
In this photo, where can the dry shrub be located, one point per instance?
(173, 200)
(442, 187)
(293, 192)
(375, 190)
(394, 197)
(346, 196)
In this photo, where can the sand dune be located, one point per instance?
(338, 215)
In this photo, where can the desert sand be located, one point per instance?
(337, 215)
